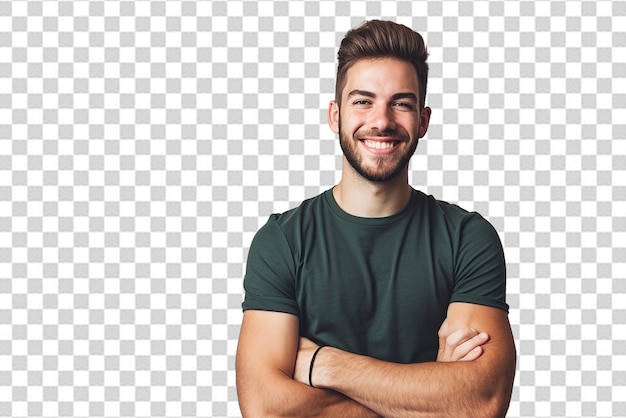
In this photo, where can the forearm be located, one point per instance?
(281, 396)
(462, 389)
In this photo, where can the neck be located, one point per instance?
(360, 197)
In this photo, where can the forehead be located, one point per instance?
(384, 76)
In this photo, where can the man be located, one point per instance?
(373, 299)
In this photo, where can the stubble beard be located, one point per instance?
(386, 168)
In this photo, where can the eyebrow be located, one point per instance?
(397, 96)
(361, 93)
(407, 95)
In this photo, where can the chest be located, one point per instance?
(376, 293)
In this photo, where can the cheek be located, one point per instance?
(353, 121)
(412, 125)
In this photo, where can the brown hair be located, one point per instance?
(382, 39)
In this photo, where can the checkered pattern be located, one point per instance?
(143, 143)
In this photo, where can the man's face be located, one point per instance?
(380, 122)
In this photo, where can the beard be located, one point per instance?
(385, 167)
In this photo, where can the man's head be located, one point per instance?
(382, 39)
(379, 110)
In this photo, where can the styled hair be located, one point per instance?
(382, 39)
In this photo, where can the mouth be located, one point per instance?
(380, 145)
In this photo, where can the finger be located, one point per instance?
(458, 337)
(461, 335)
(473, 354)
(449, 343)
(468, 349)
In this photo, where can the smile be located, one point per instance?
(380, 144)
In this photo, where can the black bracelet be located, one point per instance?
(312, 361)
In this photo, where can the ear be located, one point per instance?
(424, 121)
(333, 116)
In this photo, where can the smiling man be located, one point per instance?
(374, 299)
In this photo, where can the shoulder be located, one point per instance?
(304, 212)
(288, 226)
(467, 231)
(478, 257)
(455, 217)
(451, 211)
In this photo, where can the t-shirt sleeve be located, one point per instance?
(270, 271)
(480, 268)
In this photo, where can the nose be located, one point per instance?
(382, 118)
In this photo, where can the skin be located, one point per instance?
(478, 388)
(379, 125)
(270, 383)
(387, 114)
(266, 357)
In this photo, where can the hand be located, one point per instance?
(306, 348)
(461, 345)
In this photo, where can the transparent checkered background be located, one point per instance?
(143, 143)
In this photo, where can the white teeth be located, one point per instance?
(379, 144)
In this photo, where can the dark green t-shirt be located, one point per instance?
(375, 286)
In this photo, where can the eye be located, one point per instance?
(361, 102)
(403, 105)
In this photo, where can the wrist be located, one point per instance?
(312, 363)
(321, 365)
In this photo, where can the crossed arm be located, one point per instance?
(266, 357)
(273, 366)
